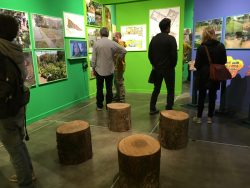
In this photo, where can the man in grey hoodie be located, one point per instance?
(12, 127)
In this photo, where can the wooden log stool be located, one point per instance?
(139, 162)
(119, 115)
(74, 142)
(173, 129)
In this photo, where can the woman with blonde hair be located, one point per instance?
(218, 55)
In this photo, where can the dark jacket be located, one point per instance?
(218, 55)
(162, 52)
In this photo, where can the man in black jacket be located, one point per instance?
(162, 55)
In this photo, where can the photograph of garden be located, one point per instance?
(23, 36)
(48, 31)
(94, 13)
(28, 62)
(199, 27)
(51, 66)
(237, 33)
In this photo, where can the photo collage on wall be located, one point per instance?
(199, 27)
(49, 48)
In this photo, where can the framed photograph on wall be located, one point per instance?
(74, 25)
(91, 72)
(199, 27)
(77, 49)
(51, 65)
(156, 15)
(94, 13)
(23, 35)
(237, 34)
(93, 36)
(108, 22)
(135, 37)
(48, 31)
(28, 62)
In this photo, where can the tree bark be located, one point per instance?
(139, 162)
(173, 129)
(119, 117)
(74, 142)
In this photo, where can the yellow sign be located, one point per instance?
(234, 65)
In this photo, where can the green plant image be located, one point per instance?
(52, 66)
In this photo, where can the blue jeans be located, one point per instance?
(11, 135)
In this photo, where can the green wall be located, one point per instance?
(189, 14)
(137, 63)
(53, 97)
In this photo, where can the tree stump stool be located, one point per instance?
(119, 115)
(173, 129)
(139, 162)
(74, 142)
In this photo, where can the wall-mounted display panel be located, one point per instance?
(74, 25)
(93, 36)
(94, 13)
(28, 62)
(51, 65)
(48, 31)
(237, 35)
(200, 26)
(77, 49)
(156, 15)
(135, 37)
(23, 35)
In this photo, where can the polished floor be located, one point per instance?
(217, 156)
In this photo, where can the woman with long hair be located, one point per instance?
(218, 55)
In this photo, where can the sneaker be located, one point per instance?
(197, 120)
(98, 109)
(152, 112)
(13, 178)
(209, 120)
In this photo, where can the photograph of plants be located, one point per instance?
(23, 36)
(237, 33)
(28, 62)
(199, 26)
(48, 31)
(51, 66)
(108, 23)
(94, 13)
(93, 36)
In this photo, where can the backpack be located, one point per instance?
(13, 94)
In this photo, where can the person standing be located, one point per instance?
(103, 65)
(12, 121)
(218, 55)
(119, 71)
(162, 55)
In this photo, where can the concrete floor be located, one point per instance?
(217, 156)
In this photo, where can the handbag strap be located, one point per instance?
(208, 55)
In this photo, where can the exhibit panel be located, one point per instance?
(135, 37)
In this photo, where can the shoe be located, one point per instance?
(168, 108)
(13, 178)
(152, 112)
(209, 120)
(197, 120)
(98, 109)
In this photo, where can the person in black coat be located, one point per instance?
(218, 55)
(162, 55)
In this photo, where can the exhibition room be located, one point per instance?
(131, 140)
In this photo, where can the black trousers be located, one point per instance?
(169, 78)
(99, 85)
(201, 101)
